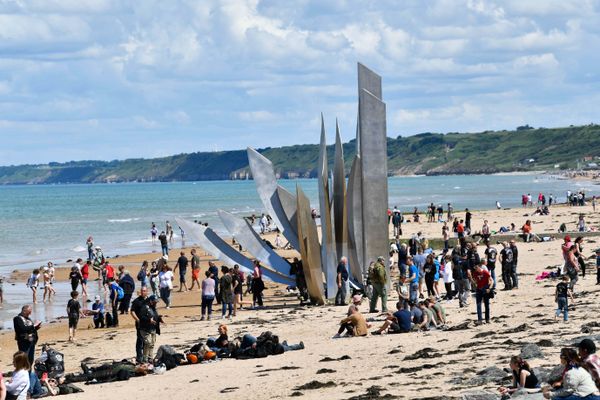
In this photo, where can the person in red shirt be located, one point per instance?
(483, 282)
(460, 230)
(85, 273)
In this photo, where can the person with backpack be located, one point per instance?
(128, 285)
(116, 295)
(149, 324)
(378, 278)
(73, 312)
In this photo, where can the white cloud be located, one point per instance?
(259, 72)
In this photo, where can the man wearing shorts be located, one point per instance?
(73, 312)
(195, 270)
(182, 263)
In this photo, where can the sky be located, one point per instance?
(115, 79)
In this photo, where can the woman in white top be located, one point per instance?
(165, 279)
(446, 272)
(19, 383)
(577, 382)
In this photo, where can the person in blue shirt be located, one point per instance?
(98, 311)
(413, 278)
(398, 322)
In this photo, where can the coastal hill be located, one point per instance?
(524, 149)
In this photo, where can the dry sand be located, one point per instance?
(365, 362)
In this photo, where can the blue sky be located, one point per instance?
(113, 79)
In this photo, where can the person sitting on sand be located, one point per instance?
(577, 383)
(354, 325)
(439, 313)
(264, 345)
(523, 377)
(591, 362)
(428, 321)
(221, 343)
(18, 384)
(356, 302)
(398, 322)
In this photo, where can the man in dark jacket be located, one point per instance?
(513, 270)
(128, 285)
(150, 322)
(136, 309)
(26, 333)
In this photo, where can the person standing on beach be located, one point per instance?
(378, 278)
(208, 296)
(153, 233)
(450, 209)
(73, 313)
(182, 264)
(98, 261)
(85, 274)
(164, 244)
(166, 278)
(33, 282)
(169, 230)
(483, 283)
(214, 271)
(468, 217)
(419, 261)
(342, 281)
(48, 289)
(26, 332)
(128, 285)
(513, 270)
(491, 255)
(257, 285)
(90, 247)
(485, 232)
(263, 224)
(226, 284)
(150, 322)
(506, 256)
(460, 230)
(461, 274)
(195, 270)
(561, 295)
(75, 277)
(136, 308)
(397, 221)
(115, 292)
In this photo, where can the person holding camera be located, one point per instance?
(483, 282)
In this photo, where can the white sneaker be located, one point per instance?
(336, 336)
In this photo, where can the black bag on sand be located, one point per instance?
(109, 320)
(54, 364)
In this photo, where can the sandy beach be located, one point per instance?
(415, 365)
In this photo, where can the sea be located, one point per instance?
(52, 222)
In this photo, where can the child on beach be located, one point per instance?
(561, 298)
(33, 282)
(73, 312)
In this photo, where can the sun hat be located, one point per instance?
(97, 298)
(98, 248)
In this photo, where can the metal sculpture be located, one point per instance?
(373, 158)
(310, 249)
(266, 185)
(243, 232)
(328, 245)
(218, 248)
(355, 229)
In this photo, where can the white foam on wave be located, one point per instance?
(122, 220)
(36, 252)
(78, 249)
(140, 241)
(456, 187)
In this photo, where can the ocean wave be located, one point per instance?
(140, 241)
(123, 220)
(79, 249)
(36, 252)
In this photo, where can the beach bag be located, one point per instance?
(141, 276)
(109, 320)
(54, 364)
